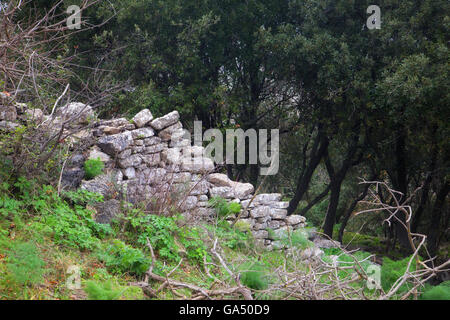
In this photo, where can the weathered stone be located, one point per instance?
(280, 204)
(260, 226)
(219, 180)
(156, 148)
(223, 192)
(137, 149)
(263, 219)
(242, 190)
(120, 122)
(152, 140)
(295, 219)
(274, 224)
(76, 112)
(202, 197)
(111, 130)
(193, 151)
(139, 143)
(259, 212)
(142, 133)
(125, 154)
(198, 188)
(76, 160)
(71, 178)
(34, 114)
(267, 198)
(188, 203)
(278, 214)
(142, 118)
(179, 143)
(151, 159)
(95, 153)
(182, 177)
(129, 173)
(107, 211)
(8, 113)
(8, 125)
(165, 121)
(115, 143)
(132, 161)
(155, 175)
(103, 183)
(246, 203)
(310, 253)
(171, 156)
(261, 234)
(197, 165)
(325, 243)
(166, 134)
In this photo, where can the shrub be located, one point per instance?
(93, 167)
(70, 225)
(393, 270)
(255, 276)
(440, 292)
(223, 208)
(102, 290)
(25, 264)
(120, 257)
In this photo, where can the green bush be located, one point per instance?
(25, 265)
(223, 208)
(102, 290)
(255, 276)
(69, 225)
(440, 292)
(393, 270)
(120, 258)
(93, 167)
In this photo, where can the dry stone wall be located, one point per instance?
(150, 160)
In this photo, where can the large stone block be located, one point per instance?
(167, 133)
(142, 118)
(115, 143)
(165, 121)
(197, 165)
(76, 112)
(260, 211)
(223, 192)
(278, 214)
(131, 161)
(142, 133)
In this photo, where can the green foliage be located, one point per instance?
(121, 258)
(25, 264)
(102, 290)
(440, 292)
(223, 208)
(255, 275)
(73, 226)
(93, 167)
(391, 271)
(296, 238)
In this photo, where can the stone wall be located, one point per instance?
(152, 161)
(149, 158)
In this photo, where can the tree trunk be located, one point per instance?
(303, 180)
(435, 228)
(330, 218)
